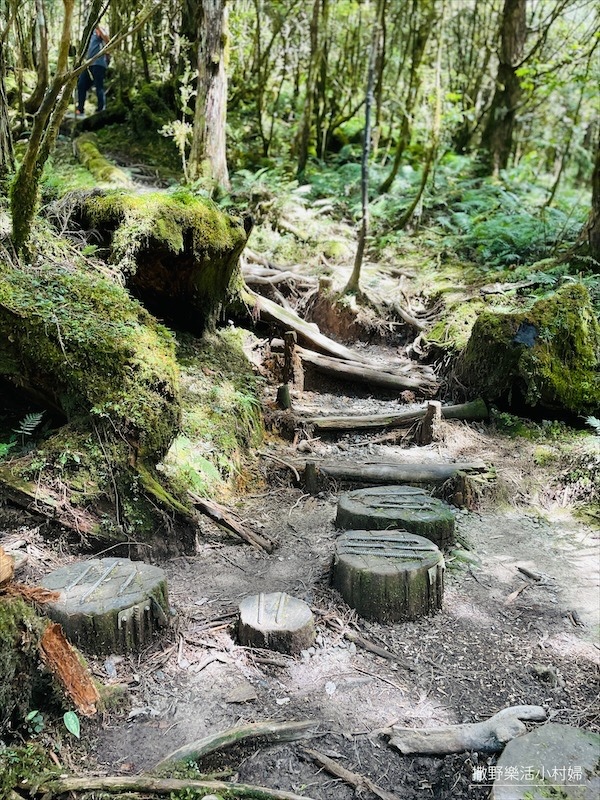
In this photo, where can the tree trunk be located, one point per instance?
(208, 157)
(311, 78)
(7, 163)
(593, 225)
(43, 71)
(498, 134)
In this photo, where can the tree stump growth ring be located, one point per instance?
(397, 507)
(109, 605)
(276, 621)
(389, 576)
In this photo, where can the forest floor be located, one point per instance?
(501, 638)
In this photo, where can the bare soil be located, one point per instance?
(502, 638)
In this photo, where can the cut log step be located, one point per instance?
(380, 507)
(389, 576)
(109, 605)
(276, 621)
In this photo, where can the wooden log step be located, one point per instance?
(276, 621)
(383, 473)
(406, 507)
(474, 410)
(389, 576)
(109, 605)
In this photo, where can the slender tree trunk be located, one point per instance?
(593, 224)
(497, 136)
(353, 284)
(309, 97)
(43, 70)
(208, 157)
(7, 163)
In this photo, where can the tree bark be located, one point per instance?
(208, 157)
(498, 134)
(43, 70)
(7, 163)
(593, 225)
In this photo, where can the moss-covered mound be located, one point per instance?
(546, 357)
(20, 677)
(83, 348)
(86, 147)
(177, 253)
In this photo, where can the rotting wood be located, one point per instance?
(351, 778)
(387, 473)
(226, 519)
(473, 411)
(430, 423)
(365, 373)
(488, 736)
(268, 731)
(162, 786)
(7, 568)
(62, 661)
(306, 331)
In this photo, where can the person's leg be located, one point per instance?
(83, 85)
(99, 73)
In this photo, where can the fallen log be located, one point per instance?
(268, 731)
(385, 473)
(306, 331)
(473, 411)
(226, 519)
(365, 373)
(150, 785)
(488, 736)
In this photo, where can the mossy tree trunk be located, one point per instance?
(593, 225)
(7, 163)
(43, 68)
(208, 158)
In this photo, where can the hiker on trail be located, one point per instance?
(94, 74)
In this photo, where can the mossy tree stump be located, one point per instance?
(389, 576)
(109, 605)
(276, 621)
(404, 507)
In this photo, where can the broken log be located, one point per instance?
(386, 473)
(289, 320)
(488, 736)
(268, 731)
(63, 662)
(473, 411)
(365, 373)
(429, 426)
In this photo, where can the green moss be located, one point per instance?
(20, 764)
(548, 356)
(101, 168)
(452, 330)
(20, 632)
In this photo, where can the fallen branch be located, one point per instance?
(488, 736)
(360, 641)
(268, 731)
(146, 783)
(227, 520)
(475, 410)
(351, 778)
(282, 462)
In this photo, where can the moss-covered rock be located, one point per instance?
(177, 253)
(546, 357)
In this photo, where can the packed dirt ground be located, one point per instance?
(502, 638)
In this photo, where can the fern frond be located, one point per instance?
(28, 424)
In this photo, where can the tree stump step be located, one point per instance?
(276, 621)
(389, 576)
(400, 507)
(109, 605)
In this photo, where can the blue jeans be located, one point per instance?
(93, 76)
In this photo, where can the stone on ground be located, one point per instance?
(556, 761)
(397, 507)
(276, 621)
(109, 605)
(389, 576)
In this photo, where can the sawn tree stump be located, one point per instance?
(397, 507)
(389, 576)
(109, 605)
(276, 621)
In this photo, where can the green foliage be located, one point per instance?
(26, 763)
(72, 724)
(28, 424)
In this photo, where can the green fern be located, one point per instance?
(28, 424)
(594, 423)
